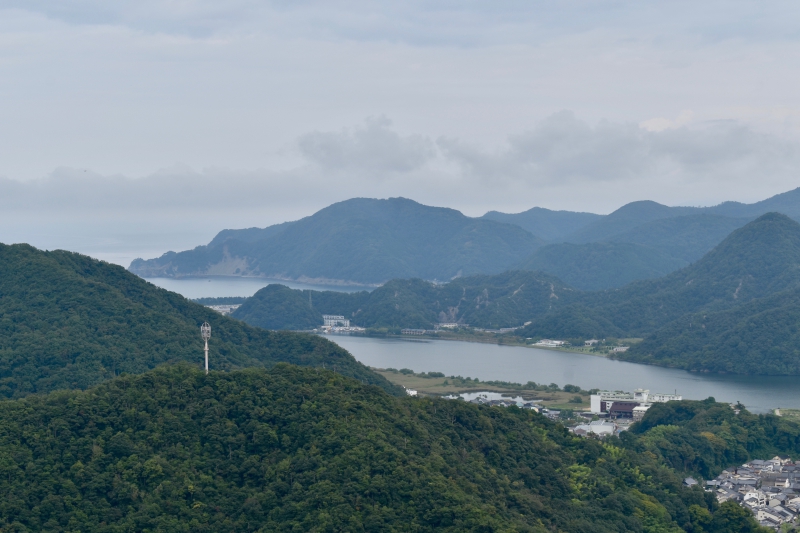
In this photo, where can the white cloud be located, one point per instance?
(373, 148)
(565, 151)
(254, 97)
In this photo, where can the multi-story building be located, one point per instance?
(603, 400)
(335, 321)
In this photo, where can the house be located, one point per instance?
(590, 342)
(620, 349)
(689, 482)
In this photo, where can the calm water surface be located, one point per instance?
(518, 364)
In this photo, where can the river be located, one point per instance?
(518, 364)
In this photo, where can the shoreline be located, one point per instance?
(473, 339)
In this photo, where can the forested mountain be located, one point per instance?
(734, 310)
(552, 226)
(763, 333)
(503, 300)
(69, 321)
(362, 241)
(293, 449)
(366, 241)
(713, 315)
(601, 265)
(687, 238)
(626, 217)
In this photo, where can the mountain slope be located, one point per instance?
(549, 225)
(687, 237)
(606, 265)
(291, 449)
(761, 336)
(626, 217)
(69, 321)
(755, 261)
(499, 301)
(359, 240)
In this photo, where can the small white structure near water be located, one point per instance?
(335, 321)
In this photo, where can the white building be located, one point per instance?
(600, 402)
(335, 320)
(598, 427)
(548, 343)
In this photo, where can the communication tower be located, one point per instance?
(205, 332)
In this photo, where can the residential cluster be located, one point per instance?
(771, 489)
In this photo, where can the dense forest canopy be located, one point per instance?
(69, 321)
(294, 449)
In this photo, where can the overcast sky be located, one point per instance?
(171, 120)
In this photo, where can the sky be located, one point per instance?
(135, 127)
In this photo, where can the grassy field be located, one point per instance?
(793, 414)
(444, 386)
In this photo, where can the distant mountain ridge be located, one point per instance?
(361, 241)
(734, 310)
(367, 242)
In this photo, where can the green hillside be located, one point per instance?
(761, 336)
(601, 265)
(626, 217)
(705, 437)
(292, 449)
(360, 240)
(502, 300)
(69, 321)
(687, 237)
(733, 310)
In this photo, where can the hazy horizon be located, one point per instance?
(150, 127)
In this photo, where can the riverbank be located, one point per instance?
(440, 385)
(479, 338)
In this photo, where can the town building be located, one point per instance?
(603, 401)
(548, 343)
(335, 321)
(768, 488)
